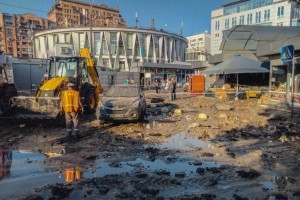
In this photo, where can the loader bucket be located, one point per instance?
(23, 107)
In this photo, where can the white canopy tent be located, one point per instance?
(237, 65)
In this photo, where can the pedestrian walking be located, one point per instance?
(142, 83)
(156, 85)
(131, 81)
(173, 86)
(71, 105)
(169, 88)
(163, 85)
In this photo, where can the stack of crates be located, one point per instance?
(264, 99)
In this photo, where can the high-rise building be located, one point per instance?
(251, 12)
(73, 13)
(16, 33)
(198, 50)
(198, 47)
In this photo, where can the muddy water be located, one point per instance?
(25, 170)
(181, 141)
(22, 171)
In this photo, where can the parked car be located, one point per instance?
(122, 102)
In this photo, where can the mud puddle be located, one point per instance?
(171, 164)
(182, 141)
(23, 170)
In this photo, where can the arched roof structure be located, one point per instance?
(257, 39)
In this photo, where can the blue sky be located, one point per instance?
(168, 14)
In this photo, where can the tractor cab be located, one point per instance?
(73, 68)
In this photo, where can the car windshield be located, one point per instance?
(122, 91)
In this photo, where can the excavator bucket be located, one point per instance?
(23, 107)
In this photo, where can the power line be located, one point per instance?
(23, 7)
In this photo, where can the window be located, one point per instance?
(156, 43)
(121, 46)
(113, 43)
(81, 40)
(226, 23)
(217, 25)
(267, 15)
(249, 18)
(97, 43)
(8, 23)
(6, 17)
(257, 17)
(242, 20)
(8, 31)
(280, 12)
(245, 6)
(129, 43)
(233, 21)
(296, 13)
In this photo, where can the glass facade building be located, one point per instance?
(230, 9)
(251, 12)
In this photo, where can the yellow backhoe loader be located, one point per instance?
(62, 69)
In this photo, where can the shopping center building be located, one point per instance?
(153, 53)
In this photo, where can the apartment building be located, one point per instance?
(198, 47)
(198, 51)
(73, 13)
(16, 33)
(251, 12)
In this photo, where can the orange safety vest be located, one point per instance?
(70, 101)
(72, 174)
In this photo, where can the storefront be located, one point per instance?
(281, 82)
(161, 72)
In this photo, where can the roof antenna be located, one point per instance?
(181, 28)
(136, 20)
(152, 26)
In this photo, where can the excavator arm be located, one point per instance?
(90, 63)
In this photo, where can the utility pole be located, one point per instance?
(91, 29)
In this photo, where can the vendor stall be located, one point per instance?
(237, 65)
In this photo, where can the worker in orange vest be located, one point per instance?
(72, 174)
(71, 105)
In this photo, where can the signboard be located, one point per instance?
(287, 53)
(147, 75)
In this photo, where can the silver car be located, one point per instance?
(122, 102)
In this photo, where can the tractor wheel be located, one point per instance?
(10, 92)
(90, 101)
(2, 108)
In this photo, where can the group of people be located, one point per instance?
(167, 85)
(128, 81)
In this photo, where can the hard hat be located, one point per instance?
(70, 84)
